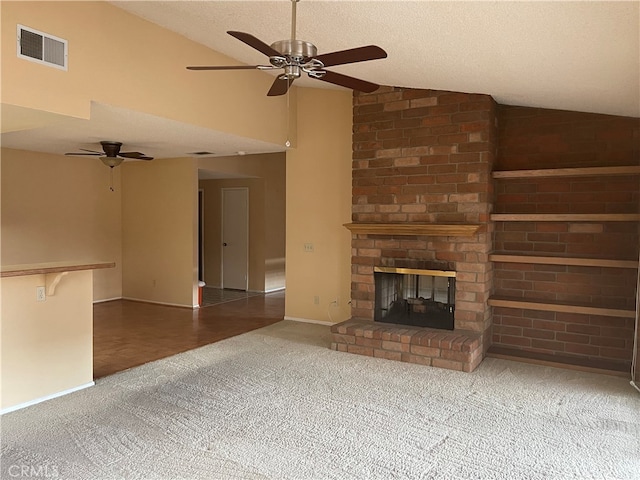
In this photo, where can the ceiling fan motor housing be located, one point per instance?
(294, 54)
(297, 50)
(111, 149)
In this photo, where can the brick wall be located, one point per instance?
(539, 138)
(614, 240)
(424, 156)
(597, 286)
(534, 138)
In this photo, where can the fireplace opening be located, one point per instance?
(423, 298)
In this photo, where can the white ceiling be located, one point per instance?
(581, 55)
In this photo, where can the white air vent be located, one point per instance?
(42, 48)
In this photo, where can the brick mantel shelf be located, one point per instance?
(433, 229)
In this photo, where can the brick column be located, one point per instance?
(424, 156)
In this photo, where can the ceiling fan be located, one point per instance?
(298, 56)
(111, 155)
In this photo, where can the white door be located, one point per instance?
(235, 238)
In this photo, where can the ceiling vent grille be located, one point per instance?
(42, 48)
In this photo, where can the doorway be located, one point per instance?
(235, 238)
(200, 234)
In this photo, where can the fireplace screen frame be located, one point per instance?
(405, 301)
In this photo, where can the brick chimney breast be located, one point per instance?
(424, 157)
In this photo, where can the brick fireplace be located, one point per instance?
(422, 198)
(545, 267)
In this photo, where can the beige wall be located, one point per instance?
(47, 347)
(318, 204)
(119, 59)
(57, 208)
(267, 198)
(159, 231)
(151, 63)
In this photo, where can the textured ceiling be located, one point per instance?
(582, 56)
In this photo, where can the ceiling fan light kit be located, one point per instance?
(296, 57)
(111, 161)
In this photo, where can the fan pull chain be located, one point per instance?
(288, 143)
(111, 179)
(293, 37)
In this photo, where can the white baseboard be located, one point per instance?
(160, 303)
(44, 399)
(278, 289)
(107, 300)
(308, 320)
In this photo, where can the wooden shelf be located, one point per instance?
(416, 271)
(573, 261)
(565, 217)
(433, 229)
(550, 306)
(567, 172)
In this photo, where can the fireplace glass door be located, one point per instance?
(424, 298)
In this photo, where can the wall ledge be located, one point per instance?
(51, 267)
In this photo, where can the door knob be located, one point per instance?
(224, 244)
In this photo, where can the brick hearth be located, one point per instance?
(438, 348)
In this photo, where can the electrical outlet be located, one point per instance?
(308, 247)
(316, 300)
(41, 294)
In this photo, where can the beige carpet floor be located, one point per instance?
(276, 403)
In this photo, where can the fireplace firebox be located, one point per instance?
(423, 298)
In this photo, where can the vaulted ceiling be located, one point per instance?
(579, 55)
(582, 56)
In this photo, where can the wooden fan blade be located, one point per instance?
(352, 55)
(131, 154)
(255, 43)
(280, 86)
(228, 67)
(349, 82)
(86, 154)
(135, 155)
(92, 151)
